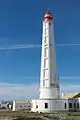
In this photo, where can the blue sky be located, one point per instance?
(21, 24)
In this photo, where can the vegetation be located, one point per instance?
(26, 115)
(74, 115)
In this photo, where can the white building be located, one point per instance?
(49, 98)
(21, 105)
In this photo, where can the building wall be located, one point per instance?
(73, 104)
(55, 105)
(79, 102)
(20, 106)
(3, 105)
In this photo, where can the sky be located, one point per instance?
(20, 41)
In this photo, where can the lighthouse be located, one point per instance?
(49, 100)
(49, 90)
(49, 84)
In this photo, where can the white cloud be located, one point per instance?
(18, 91)
(69, 77)
(28, 46)
(61, 45)
(73, 88)
(22, 46)
(22, 91)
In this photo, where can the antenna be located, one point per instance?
(48, 10)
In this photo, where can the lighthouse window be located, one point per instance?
(45, 63)
(45, 31)
(49, 23)
(43, 83)
(46, 105)
(45, 40)
(46, 52)
(46, 73)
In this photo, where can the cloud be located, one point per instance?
(24, 91)
(18, 91)
(29, 46)
(62, 45)
(30, 77)
(69, 77)
(14, 47)
(60, 77)
(73, 88)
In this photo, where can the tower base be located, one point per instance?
(53, 105)
(49, 93)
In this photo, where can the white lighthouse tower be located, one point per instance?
(49, 85)
(49, 97)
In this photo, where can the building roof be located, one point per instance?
(23, 101)
(70, 95)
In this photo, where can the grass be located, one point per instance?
(74, 115)
(9, 113)
(24, 113)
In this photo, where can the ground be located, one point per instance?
(26, 115)
(74, 115)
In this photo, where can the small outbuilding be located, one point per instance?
(21, 104)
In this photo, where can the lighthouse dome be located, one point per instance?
(48, 16)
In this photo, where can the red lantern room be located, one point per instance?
(48, 16)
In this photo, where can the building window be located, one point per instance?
(70, 105)
(36, 106)
(65, 105)
(77, 105)
(52, 85)
(46, 105)
(74, 105)
(29, 106)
